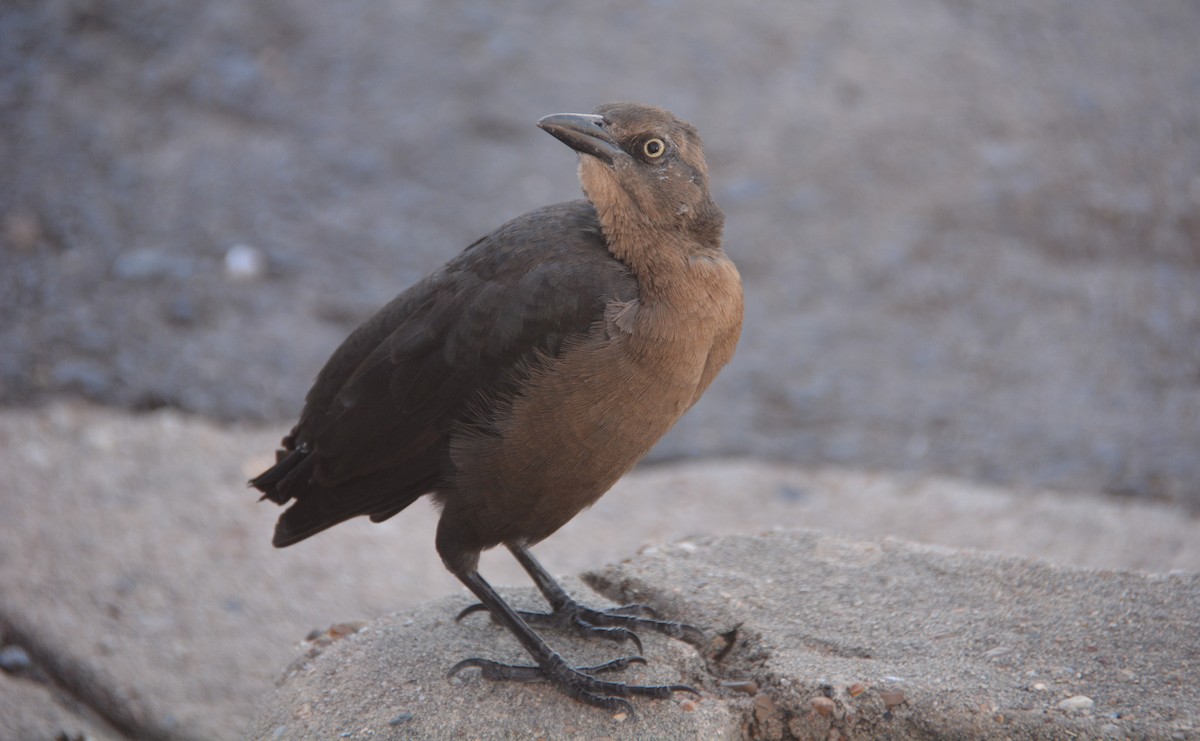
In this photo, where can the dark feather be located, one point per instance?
(373, 435)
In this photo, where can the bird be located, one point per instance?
(518, 382)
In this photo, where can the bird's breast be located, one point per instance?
(585, 418)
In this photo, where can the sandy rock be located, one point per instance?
(847, 639)
(190, 614)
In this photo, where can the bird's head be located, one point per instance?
(641, 168)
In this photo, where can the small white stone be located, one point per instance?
(1078, 702)
(243, 262)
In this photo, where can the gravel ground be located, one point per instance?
(969, 231)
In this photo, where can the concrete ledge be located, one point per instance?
(832, 638)
(977, 645)
(388, 680)
(33, 710)
(136, 569)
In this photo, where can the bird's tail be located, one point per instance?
(286, 462)
(317, 505)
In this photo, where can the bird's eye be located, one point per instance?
(654, 148)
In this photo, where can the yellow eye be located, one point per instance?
(654, 148)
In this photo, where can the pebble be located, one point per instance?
(764, 708)
(143, 264)
(1078, 702)
(22, 229)
(401, 718)
(181, 310)
(14, 659)
(892, 698)
(243, 262)
(823, 706)
(792, 494)
(94, 339)
(350, 627)
(90, 377)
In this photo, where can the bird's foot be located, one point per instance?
(612, 624)
(577, 682)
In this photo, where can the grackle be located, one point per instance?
(518, 382)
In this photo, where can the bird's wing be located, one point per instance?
(450, 345)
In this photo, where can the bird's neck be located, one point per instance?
(659, 254)
(661, 258)
(657, 261)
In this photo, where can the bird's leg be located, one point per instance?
(551, 667)
(566, 612)
(613, 624)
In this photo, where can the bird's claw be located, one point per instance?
(636, 609)
(477, 607)
(632, 610)
(609, 623)
(578, 682)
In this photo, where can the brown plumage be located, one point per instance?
(517, 383)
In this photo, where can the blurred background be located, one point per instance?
(969, 232)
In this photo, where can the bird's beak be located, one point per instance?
(583, 132)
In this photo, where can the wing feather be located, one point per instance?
(373, 435)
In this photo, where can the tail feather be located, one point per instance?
(286, 461)
(318, 508)
(317, 505)
(298, 523)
